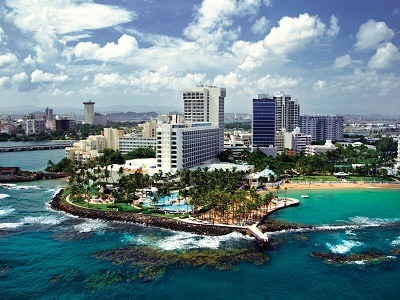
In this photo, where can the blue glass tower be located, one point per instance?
(263, 122)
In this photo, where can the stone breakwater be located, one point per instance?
(154, 221)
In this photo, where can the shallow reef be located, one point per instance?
(365, 257)
(150, 263)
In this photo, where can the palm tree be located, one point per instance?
(278, 187)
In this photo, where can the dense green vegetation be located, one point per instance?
(368, 162)
(140, 153)
(219, 196)
(245, 126)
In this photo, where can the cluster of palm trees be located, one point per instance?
(217, 196)
(223, 196)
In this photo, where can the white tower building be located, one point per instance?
(88, 112)
(206, 104)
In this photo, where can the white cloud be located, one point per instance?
(319, 86)
(7, 59)
(65, 16)
(123, 49)
(249, 64)
(334, 28)
(229, 81)
(19, 77)
(5, 82)
(213, 21)
(58, 92)
(260, 26)
(371, 34)
(277, 82)
(293, 34)
(209, 15)
(244, 49)
(40, 76)
(146, 81)
(342, 61)
(3, 36)
(109, 80)
(29, 60)
(385, 57)
(396, 12)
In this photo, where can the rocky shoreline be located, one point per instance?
(155, 221)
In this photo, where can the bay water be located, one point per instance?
(46, 254)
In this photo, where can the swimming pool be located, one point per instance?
(169, 203)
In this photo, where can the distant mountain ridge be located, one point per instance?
(26, 109)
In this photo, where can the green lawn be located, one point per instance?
(333, 178)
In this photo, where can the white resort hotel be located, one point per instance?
(180, 142)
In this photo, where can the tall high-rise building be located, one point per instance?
(322, 127)
(49, 114)
(88, 112)
(263, 133)
(271, 115)
(206, 104)
(287, 112)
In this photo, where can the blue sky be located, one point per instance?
(334, 56)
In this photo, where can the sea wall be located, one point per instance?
(176, 225)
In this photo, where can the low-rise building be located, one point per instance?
(234, 141)
(34, 126)
(294, 140)
(86, 150)
(128, 143)
(316, 149)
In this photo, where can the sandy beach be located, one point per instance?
(337, 185)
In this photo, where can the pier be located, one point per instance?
(254, 231)
(36, 147)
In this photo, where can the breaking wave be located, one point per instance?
(6, 210)
(43, 220)
(2, 196)
(365, 221)
(90, 226)
(343, 247)
(190, 241)
(396, 242)
(354, 223)
(10, 225)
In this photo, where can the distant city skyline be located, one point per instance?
(334, 57)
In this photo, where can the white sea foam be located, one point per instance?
(349, 232)
(6, 210)
(357, 262)
(27, 187)
(43, 220)
(90, 226)
(396, 242)
(20, 187)
(371, 222)
(344, 247)
(10, 225)
(2, 196)
(185, 240)
(358, 223)
(8, 185)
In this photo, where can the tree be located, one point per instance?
(387, 147)
(140, 153)
(111, 156)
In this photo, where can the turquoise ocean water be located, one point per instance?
(38, 246)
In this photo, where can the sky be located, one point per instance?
(333, 56)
